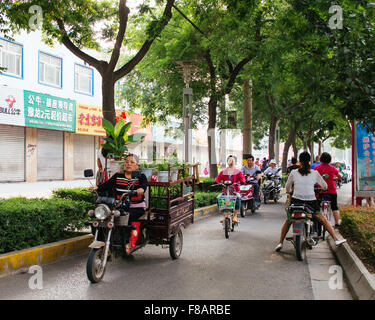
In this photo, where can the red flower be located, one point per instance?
(123, 115)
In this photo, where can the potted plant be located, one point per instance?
(163, 171)
(147, 169)
(116, 141)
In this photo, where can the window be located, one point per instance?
(11, 58)
(83, 80)
(50, 68)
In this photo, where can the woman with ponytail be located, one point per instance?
(301, 183)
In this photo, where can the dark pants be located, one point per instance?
(256, 191)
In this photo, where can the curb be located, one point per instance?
(23, 259)
(203, 212)
(359, 278)
(20, 261)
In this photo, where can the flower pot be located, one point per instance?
(187, 189)
(147, 172)
(163, 176)
(174, 174)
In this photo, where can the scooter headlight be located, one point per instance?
(102, 211)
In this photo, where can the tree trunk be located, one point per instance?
(211, 137)
(271, 139)
(295, 149)
(108, 99)
(247, 118)
(288, 143)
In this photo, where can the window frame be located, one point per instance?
(61, 70)
(92, 80)
(4, 73)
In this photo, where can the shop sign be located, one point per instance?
(11, 107)
(89, 120)
(49, 112)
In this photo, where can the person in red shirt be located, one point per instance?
(232, 174)
(329, 172)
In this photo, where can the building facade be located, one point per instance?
(46, 96)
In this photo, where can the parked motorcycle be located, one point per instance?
(248, 196)
(226, 205)
(303, 228)
(271, 187)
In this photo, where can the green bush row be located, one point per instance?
(78, 194)
(26, 223)
(358, 225)
(204, 199)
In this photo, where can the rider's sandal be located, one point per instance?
(339, 242)
(234, 220)
(279, 247)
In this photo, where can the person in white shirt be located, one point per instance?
(303, 181)
(272, 169)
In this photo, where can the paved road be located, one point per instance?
(211, 267)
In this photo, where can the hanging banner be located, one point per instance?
(49, 112)
(365, 162)
(89, 120)
(11, 107)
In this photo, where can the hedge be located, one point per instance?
(358, 226)
(26, 223)
(78, 194)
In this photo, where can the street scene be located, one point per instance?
(216, 150)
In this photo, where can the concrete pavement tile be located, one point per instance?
(319, 272)
(330, 261)
(323, 292)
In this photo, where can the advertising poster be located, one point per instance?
(89, 120)
(49, 112)
(11, 106)
(365, 163)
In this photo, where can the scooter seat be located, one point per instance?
(301, 207)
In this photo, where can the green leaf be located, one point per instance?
(108, 127)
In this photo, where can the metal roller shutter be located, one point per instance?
(50, 155)
(84, 154)
(12, 150)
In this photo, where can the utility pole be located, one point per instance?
(186, 67)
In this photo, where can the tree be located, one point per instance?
(351, 57)
(222, 37)
(73, 23)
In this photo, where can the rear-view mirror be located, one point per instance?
(88, 173)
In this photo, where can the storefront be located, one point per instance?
(12, 135)
(12, 150)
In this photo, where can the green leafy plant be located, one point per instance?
(117, 137)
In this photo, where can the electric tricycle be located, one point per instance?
(170, 209)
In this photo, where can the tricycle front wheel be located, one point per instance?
(175, 245)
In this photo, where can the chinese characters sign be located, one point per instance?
(49, 112)
(11, 107)
(365, 160)
(89, 120)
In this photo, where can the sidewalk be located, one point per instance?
(39, 189)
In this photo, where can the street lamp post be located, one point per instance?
(186, 68)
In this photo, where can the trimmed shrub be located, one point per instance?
(358, 226)
(204, 199)
(26, 223)
(78, 194)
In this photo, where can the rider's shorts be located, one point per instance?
(314, 204)
(333, 199)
